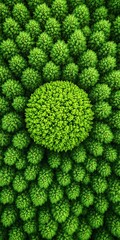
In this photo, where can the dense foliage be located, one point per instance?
(59, 67)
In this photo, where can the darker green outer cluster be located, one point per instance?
(59, 115)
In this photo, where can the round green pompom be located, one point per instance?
(100, 92)
(88, 59)
(4, 106)
(8, 216)
(21, 140)
(51, 72)
(20, 13)
(8, 48)
(37, 58)
(70, 72)
(45, 177)
(24, 42)
(35, 154)
(45, 42)
(16, 233)
(70, 24)
(31, 79)
(11, 122)
(61, 210)
(52, 113)
(19, 103)
(59, 9)
(11, 28)
(102, 133)
(42, 13)
(60, 52)
(12, 88)
(52, 27)
(77, 43)
(88, 78)
(81, 12)
(102, 110)
(17, 64)
(33, 28)
(38, 195)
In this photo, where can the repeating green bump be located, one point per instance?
(59, 115)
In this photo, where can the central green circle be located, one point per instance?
(59, 115)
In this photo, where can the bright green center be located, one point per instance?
(59, 115)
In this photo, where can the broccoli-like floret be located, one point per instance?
(20, 13)
(7, 195)
(30, 226)
(102, 110)
(42, 13)
(77, 43)
(4, 105)
(20, 103)
(61, 210)
(54, 159)
(19, 183)
(63, 178)
(78, 172)
(11, 155)
(81, 12)
(100, 92)
(8, 216)
(11, 122)
(17, 64)
(60, 52)
(31, 172)
(35, 154)
(69, 25)
(21, 140)
(100, 13)
(27, 213)
(114, 190)
(52, 27)
(33, 28)
(101, 203)
(11, 28)
(113, 79)
(88, 59)
(95, 219)
(87, 197)
(16, 233)
(6, 175)
(84, 230)
(24, 42)
(23, 201)
(55, 193)
(8, 48)
(99, 184)
(113, 224)
(88, 78)
(37, 58)
(45, 42)
(38, 195)
(51, 72)
(59, 9)
(45, 177)
(70, 72)
(12, 88)
(73, 191)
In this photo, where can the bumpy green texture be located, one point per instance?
(60, 194)
(59, 115)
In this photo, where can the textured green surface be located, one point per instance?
(60, 195)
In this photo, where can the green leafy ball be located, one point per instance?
(59, 115)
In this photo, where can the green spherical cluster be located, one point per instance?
(60, 120)
(64, 92)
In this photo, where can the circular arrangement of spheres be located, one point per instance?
(59, 115)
